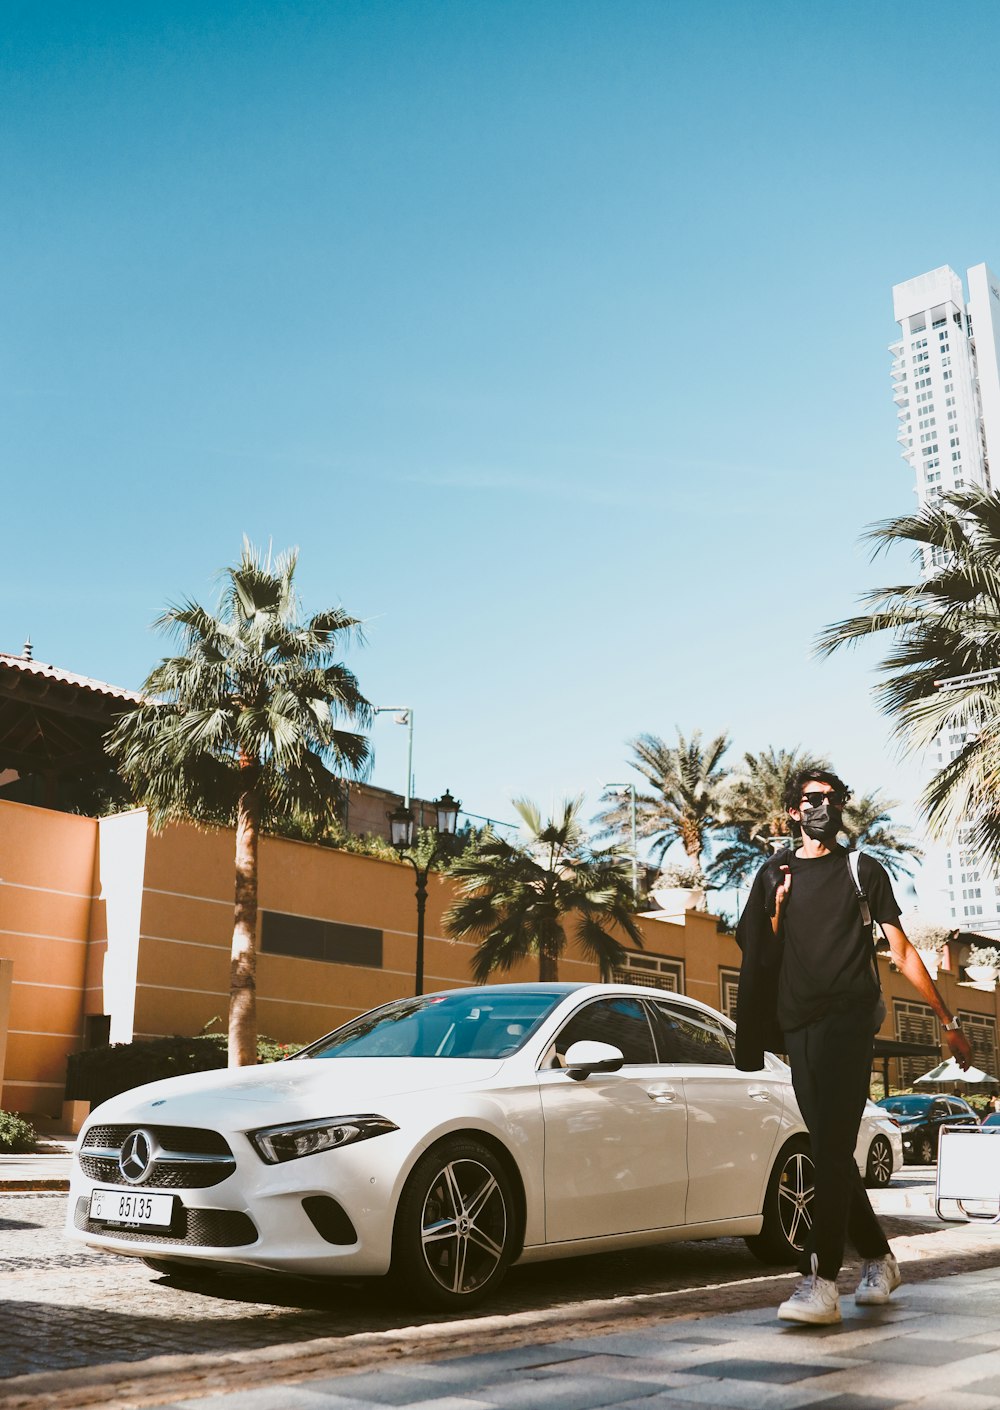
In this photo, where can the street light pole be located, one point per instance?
(421, 873)
(401, 827)
(629, 788)
(404, 716)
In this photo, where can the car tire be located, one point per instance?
(456, 1226)
(787, 1202)
(878, 1171)
(924, 1150)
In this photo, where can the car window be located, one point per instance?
(687, 1035)
(622, 1022)
(466, 1024)
(905, 1106)
(957, 1108)
(938, 1110)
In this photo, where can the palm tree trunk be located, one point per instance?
(548, 965)
(691, 842)
(243, 964)
(548, 950)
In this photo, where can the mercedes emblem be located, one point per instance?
(136, 1156)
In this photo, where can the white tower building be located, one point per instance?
(946, 385)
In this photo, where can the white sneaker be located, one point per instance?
(815, 1300)
(879, 1278)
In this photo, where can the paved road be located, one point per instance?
(63, 1306)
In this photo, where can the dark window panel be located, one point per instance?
(304, 938)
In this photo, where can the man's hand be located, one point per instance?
(780, 897)
(960, 1049)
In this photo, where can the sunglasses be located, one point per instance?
(816, 799)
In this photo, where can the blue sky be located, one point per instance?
(552, 333)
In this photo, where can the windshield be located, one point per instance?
(461, 1025)
(906, 1106)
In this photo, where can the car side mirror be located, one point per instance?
(586, 1057)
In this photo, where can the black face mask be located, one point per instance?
(822, 823)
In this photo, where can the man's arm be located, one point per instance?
(908, 962)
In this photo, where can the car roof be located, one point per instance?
(541, 987)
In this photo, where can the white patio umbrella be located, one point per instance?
(947, 1073)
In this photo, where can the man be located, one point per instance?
(809, 986)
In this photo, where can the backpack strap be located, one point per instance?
(855, 875)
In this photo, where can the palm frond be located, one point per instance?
(945, 626)
(254, 685)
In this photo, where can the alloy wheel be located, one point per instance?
(880, 1162)
(464, 1226)
(795, 1196)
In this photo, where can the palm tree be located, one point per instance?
(944, 626)
(240, 729)
(521, 899)
(868, 825)
(682, 803)
(754, 812)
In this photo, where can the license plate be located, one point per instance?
(128, 1208)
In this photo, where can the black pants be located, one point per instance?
(831, 1062)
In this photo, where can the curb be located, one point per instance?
(28, 1185)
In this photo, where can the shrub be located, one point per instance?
(687, 878)
(16, 1134)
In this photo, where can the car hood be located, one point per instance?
(289, 1091)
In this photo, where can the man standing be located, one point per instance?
(810, 974)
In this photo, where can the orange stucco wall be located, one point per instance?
(46, 893)
(187, 917)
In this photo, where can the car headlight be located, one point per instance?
(276, 1144)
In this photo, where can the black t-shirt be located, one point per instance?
(828, 958)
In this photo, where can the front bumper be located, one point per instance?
(326, 1214)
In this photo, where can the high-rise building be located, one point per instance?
(946, 385)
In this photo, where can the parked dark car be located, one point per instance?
(920, 1120)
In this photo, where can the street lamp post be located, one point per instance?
(404, 716)
(401, 831)
(629, 788)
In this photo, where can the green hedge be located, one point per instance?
(99, 1073)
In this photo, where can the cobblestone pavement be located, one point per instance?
(73, 1307)
(63, 1308)
(937, 1344)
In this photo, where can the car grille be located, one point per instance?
(198, 1228)
(188, 1158)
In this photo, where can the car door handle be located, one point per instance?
(661, 1093)
(759, 1094)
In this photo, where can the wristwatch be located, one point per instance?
(953, 1026)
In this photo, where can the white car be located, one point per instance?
(446, 1137)
(879, 1152)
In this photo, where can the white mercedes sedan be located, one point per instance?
(444, 1138)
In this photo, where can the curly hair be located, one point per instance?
(793, 793)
